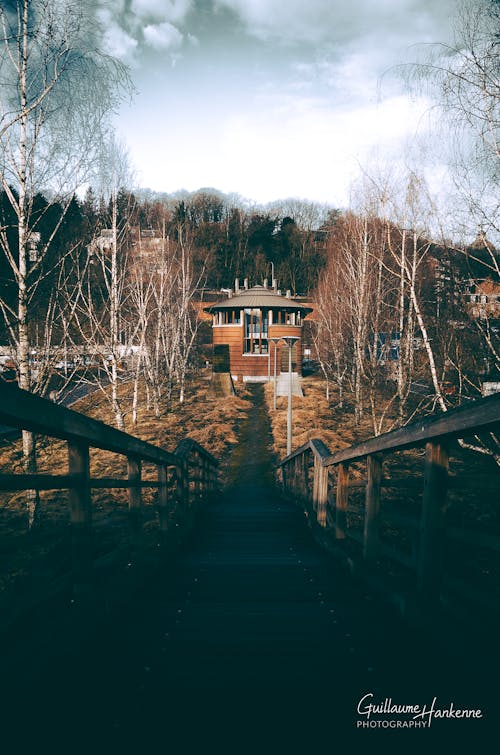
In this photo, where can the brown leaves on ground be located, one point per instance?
(314, 416)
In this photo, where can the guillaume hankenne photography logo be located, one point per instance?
(390, 714)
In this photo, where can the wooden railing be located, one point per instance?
(182, 479)
(414, 511)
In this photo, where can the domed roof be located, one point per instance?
(258, 297)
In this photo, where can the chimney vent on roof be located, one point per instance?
(245, 284)
(265, 282)
(236, 285)
(288, 294)
(275, 284)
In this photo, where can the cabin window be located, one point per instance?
(256, 331)
(284, 317)
(232, 317)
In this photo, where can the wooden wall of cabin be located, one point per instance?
(257, 365)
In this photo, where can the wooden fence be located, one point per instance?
(413, 509)
(183, 478)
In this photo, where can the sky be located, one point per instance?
(269, 99)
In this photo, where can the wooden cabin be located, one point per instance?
(247, 320)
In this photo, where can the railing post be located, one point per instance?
(182, 488)
(372, 507)
(80, 517)
(284, 481)
(163, 498)
(203, 475)
(296, 477)
(197, 477)
(214, 477)
(211, 477)
(430, 567)
(186, 483)
(135, 501)
(320, 491)
(208, 477)
(341, 501)
(305, 476)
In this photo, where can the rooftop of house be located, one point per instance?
(258, 297)
(488, 287)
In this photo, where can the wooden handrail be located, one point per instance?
(331, 511)
(26, 411)
(195, 471)
(188, 446)
(481, 416)
(317, 448)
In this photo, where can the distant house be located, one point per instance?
(482, 299)
(101, 243)
(247, 320)
(146, 241)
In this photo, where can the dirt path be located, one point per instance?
(252, 461)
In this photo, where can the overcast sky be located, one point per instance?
(268, 98)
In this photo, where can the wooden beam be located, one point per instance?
(320, 491)
(134, 468)
(304, 476)
(163, 507)
(430, 565)
(342, 501)
(65, 482)
(80, 503)
(372, 508)
(38, 481)
(198, 477)
(182, 484)
(284, 477)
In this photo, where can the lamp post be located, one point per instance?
(276, 342)
(289, 340)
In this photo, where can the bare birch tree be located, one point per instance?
(463, 80)
(57, 88)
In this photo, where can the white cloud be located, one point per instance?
(117, 42)
(312, 148)
(336, 20)
(162, 36)
(281, 146)
(128, 26)
(297, 117)
(161, 10)
(293, 19)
